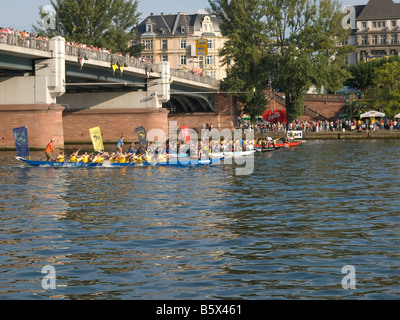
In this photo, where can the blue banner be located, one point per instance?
(21, 141)
(141, 132)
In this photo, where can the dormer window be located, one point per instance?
(183, 30)
(149, 26)
(207, 24)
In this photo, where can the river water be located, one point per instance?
(284, 232)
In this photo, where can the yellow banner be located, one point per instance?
(97, 140)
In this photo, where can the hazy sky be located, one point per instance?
(21, 14)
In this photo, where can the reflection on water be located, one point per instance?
(285, 231)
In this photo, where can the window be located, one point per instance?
(383, 24)
(164, 44)
(183, 60)
(149, 27)
(375, 39)
(211, 44)
(165, 58)
(183, 44)
(364, 25)
(383, 39)
(183, 29)
(148, 44)
(210, 60)
(394, 39)
(364, 40)
(211, 74)
(393, 24)
(374, 24)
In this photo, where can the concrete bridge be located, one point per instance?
(60, 90)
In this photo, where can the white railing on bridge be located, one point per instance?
(38, 43)
(99, 55)
(194, 77)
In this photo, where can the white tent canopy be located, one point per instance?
(397, 116)
(371, 114)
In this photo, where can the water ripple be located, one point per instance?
(284, 232)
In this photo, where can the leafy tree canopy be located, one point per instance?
(386, 88)
(244, 52)
(295, 42)
(102, 23)
(362, 74)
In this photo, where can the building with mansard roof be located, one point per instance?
(172, 38)
(376, 32)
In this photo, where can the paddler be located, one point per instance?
(84, 158)
(74, 156)
(60, 157)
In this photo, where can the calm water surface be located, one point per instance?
(284, 232)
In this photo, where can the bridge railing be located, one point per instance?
(23, 41)
(194, 77)
(99, 55)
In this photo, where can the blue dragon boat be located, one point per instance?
(172, 162)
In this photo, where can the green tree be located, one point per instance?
(244, 52)
(102, 23)
(362, 74)
(386, 90)
(307, 34)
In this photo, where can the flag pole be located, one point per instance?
(29, 157)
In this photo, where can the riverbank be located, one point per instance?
(384, 134)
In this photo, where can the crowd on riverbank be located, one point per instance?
(329, 126)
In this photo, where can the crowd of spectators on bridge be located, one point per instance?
(24, 39)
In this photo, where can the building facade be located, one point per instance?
(173, 38)
(376, 31)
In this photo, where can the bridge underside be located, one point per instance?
(190, 103)
(91, 79)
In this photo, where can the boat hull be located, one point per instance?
(107, 164)
(231, 154)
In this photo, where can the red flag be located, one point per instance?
(185, 133)
(275, 116)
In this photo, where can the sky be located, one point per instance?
(23, 13)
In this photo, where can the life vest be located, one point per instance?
(60, 159)
(84, 159)
(73, 159)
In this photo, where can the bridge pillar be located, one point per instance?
(50, 73)
(160, 87)
(47, 83)
(31, 101)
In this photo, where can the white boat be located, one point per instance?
(232, 154)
